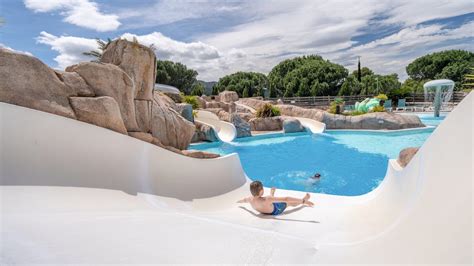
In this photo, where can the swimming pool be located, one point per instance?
(350, 162)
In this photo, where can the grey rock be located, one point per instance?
(186, 111)
(291, 125)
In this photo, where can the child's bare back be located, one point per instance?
(270, 204)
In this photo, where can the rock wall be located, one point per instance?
(116, 94)
(379, 120)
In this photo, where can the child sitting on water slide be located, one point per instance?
(272, 205)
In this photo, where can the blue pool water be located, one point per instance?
(429, 119)
(350, 162)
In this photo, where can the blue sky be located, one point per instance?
(221, 37)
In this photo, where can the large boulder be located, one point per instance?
(101, 111)
(291, 125)
(242, 126)
(201, 102)
(266, 123)
(406, 155)
(76, 83)
(168, 126)
(204, 133)
(377, 120)
(186, 111)
(138, 61)
(28, 82)
(143, 114)
(228, 107)
(110, 80)
(252, 102)
(228, 96)
(291, 110)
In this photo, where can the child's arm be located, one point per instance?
(244, 200)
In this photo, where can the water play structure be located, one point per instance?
(439, 92)
(77, 193)
(367, 105)
(225, 131)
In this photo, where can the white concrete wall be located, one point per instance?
(38, 148)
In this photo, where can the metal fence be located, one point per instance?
(325, 101)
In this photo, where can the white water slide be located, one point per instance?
(76, 193)
(225, 131)
(311, 124)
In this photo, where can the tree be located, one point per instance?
(177, 75)
(450, 64)
(359, 73)
(307, 73)
(101, 45)
(246, 84)
(351, 86)
(198, 89)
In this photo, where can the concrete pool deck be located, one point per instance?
(63, 201)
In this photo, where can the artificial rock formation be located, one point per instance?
(405, 155)
(378, 120)
(204, 133)
(28, 82)
(116, 95)
(100, 111)
(228, 96)
(110, 80)
(266, 123)
(186, 111)
(138, 61)
(291, 125)
(169, 126)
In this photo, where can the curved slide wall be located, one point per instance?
(38, 148)
(419, 214)
(225, 131)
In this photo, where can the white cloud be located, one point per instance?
(13, 50)
(270, 32)
(169, 11)
(83, 13)
(70, 48)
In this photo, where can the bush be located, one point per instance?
(356, 112)
(268, 110)
(378, 108)
(382, 96)
(192, 100)
(337, 106)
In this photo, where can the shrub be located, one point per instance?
(268, 110)
(356, 112)
(382, 97)
(191, 100)
(337, 106)
(378, 108)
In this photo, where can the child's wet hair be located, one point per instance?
(256, 187)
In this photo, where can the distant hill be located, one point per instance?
(207, 86)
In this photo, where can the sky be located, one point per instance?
(217, 38)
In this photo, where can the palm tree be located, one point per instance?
(102, 45)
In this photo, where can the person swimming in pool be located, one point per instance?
(272, 205)
(316, 176)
